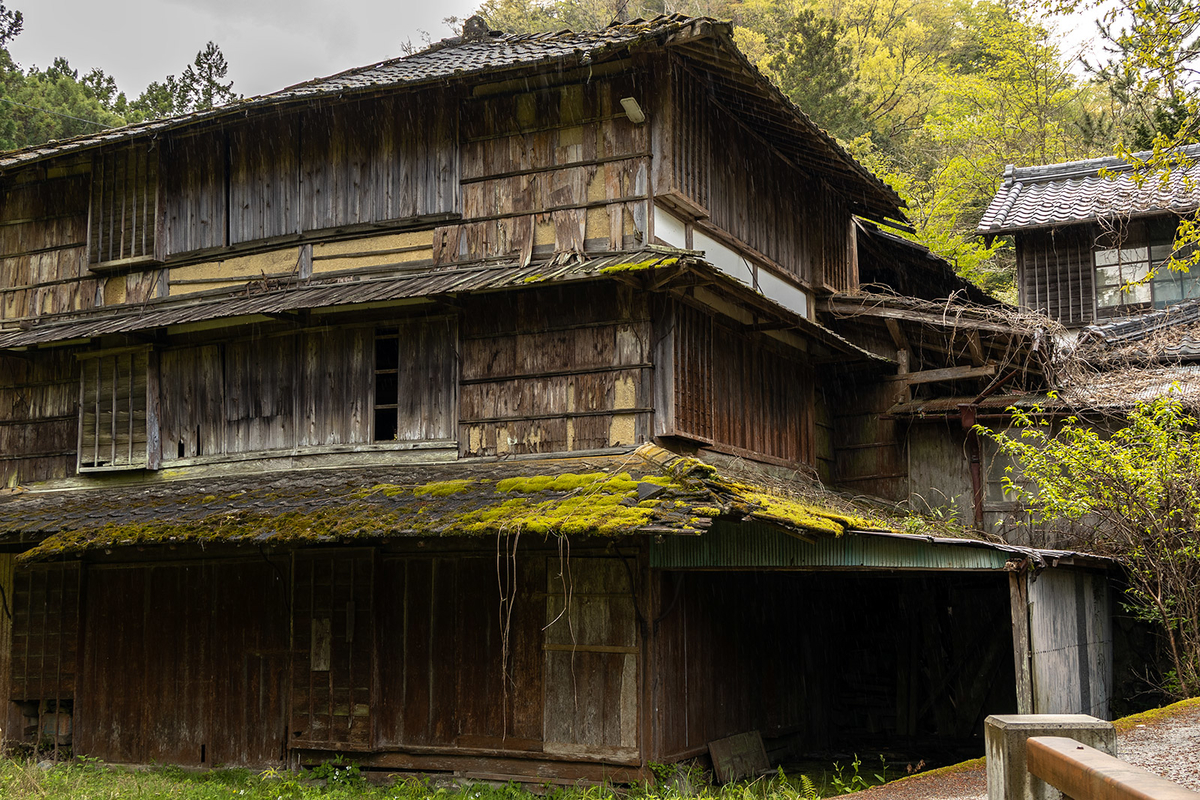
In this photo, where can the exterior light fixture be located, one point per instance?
(633, 110)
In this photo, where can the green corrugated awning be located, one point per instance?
(754, 546)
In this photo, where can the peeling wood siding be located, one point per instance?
(43, 242)
(559, 169)
(39, 422)
(1055, 273)
(555, 370)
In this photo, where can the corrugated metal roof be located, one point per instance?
(1071, 192)
(279, 297)
(754, 546)
(785, 126)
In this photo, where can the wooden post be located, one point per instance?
(1018, 593)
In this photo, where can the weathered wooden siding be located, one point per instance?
(112, 409)
(375, 160)
(43, 241)
(1070, 643)
(39, 424)
(724, 387)
(43, 656)
(561, 169)
(185, 664)
(196, 211)
(264, 179)
(870, 450)
(1055, 273)
(443, 658)
(733, 182)
(555, 370)
(333, 689)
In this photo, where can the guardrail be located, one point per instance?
(1085, 773)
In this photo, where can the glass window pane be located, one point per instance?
(1160, 252)
(1105, 258)
(1191, 287)
(1166, 292)
(1131, 254)
(1138, 294)
(1135, 272)
(1108, 276)
(1108, 297)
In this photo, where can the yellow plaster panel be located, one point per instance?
(114, 291)
(622, 429)
(596, 226)
(624, 393)
(191, 288)
(543, 231)
(370, 260)
(390, 241)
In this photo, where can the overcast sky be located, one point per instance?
(269, 44)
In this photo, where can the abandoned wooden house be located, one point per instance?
(482, 412)
(1088, 233)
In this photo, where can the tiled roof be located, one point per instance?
(1061, 194)
(648, 490)
(450, 58)
(778, 120)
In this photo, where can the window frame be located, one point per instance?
(1137, 250)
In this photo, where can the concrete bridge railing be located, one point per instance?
(1054, 756)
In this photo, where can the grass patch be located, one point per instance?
(1154, 714)
(89, 779)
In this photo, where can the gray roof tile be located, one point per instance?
(1074, 191)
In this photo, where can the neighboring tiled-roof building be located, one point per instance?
(1091, 235)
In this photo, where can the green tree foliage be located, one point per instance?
(1138, 490)
(814, 68)
(37, 105)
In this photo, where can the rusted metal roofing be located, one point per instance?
(648, 490)
(1072, 192)
(278, 297)
(751, 546)
(778, 120)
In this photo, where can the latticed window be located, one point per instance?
(112, 410)
(123, 221)
(1122, 270)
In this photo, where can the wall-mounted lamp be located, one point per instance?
(633, 110)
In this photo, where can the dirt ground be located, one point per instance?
(1165, 741)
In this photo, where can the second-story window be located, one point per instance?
(112, 410)
(416, 372)
(1121, 272)
(123, 218)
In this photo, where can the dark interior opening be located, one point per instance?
(834, 663)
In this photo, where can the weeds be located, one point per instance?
(89, 779)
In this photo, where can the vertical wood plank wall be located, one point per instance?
(555, 370)
(1056, 274)
(1070, 642)
(751, 194)
(738, 390)
(869, 450)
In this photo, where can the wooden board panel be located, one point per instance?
(196, 205)
(39, 421)
(592, 658)
(260, 384)
(1056, 275)
(336, 374)
(192, 387)
(185, 664)
(332, 659)
(264, 179)
(1070, 642)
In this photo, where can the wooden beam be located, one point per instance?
(1019, 603)
(945, 374)
(856, 310)
(976, 348)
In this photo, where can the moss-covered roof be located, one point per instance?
(649, 490)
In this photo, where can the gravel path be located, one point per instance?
(1165, 741)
